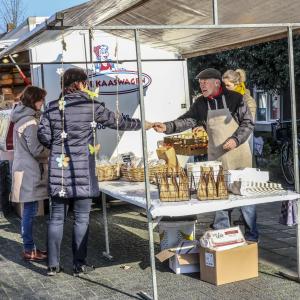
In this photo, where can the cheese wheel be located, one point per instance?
(6, 90)
(6, 81)
(6, 76)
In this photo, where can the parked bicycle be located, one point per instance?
(283, 136)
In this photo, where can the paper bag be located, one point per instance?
(168, 154)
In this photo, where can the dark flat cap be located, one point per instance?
(209, 73)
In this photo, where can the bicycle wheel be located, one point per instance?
(287, 162)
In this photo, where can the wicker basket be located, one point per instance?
(189, 150)
(190, 145)
(137, 174)
(108, 172)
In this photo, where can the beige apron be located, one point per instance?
(220, 126)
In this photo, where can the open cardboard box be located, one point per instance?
(182, 259)
(220, 267)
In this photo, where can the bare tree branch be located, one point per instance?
(11, 11)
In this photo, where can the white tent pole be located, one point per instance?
(145, 157)
(294, 135)
(183, 26)
(215, 12)
(293, 107)
(105, 253)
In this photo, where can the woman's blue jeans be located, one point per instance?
(59, 209)
(29, 212)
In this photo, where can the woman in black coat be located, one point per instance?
(66, 128)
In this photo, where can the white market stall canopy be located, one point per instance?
(186, 42)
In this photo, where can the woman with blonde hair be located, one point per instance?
(235, 81)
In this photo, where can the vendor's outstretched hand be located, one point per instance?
(159, 127)
(198, 129)
(230, 144)
(148, 125)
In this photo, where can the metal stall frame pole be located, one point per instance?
(105, 253)
(43, 76)
(215, 12)
(145, 158)
(293, 109)
(295, 146)
(85, 51)
(294, 137)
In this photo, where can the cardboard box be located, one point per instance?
(220, 267)
(172, 233)
(248, 175)
(19, 207)
(182, 259)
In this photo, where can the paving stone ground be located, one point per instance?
(129, 246)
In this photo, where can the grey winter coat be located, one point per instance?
(79, 178)
(29, 167)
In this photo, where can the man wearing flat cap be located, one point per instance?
(228, 123)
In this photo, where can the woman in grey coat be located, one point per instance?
(29, 166)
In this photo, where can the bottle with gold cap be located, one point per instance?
(221, 184)
(211, 185)
(172, 187)
(202, 185)
(163, 187)
(183, 186)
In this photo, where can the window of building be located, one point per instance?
(268, 106)
(262, 106)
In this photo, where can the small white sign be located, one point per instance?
(209, 260)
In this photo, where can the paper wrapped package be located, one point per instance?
(251, 181)
(223, 239)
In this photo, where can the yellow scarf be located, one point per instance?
(240, 88)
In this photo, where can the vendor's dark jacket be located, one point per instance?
(79, 177)
(197, 115)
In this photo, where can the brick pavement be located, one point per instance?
(129, 246)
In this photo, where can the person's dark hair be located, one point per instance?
(31, 95)
(71, 79)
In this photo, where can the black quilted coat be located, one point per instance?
(79, 178)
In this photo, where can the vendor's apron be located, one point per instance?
(221, 126)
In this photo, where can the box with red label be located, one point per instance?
(223, 239)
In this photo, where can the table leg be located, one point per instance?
(151, 225)
(292, 276)
(107, 252)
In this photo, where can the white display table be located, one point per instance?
(134, 193)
